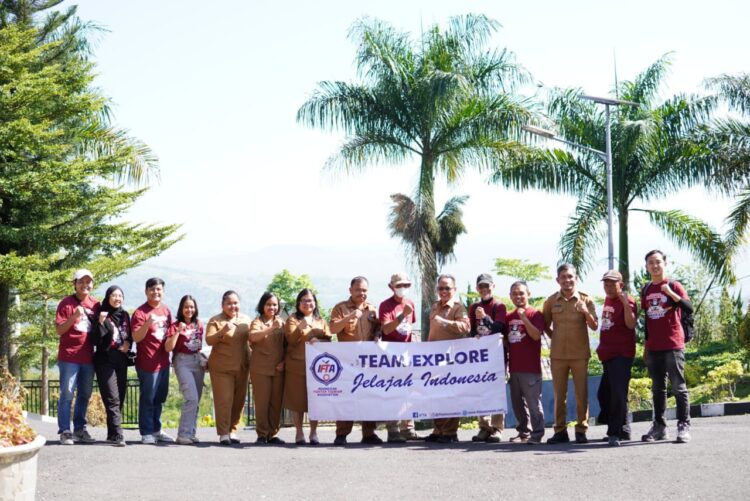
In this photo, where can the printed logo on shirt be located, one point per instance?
(517, 331)
(607, 314)
(194, 342)
(656, 302)
(404, 328)
(483, 330)
(84, 321)
(160, 324)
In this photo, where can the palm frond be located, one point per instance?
(735, 89)
(645, 87)
(738, 221)
(697, 237)
(450, 226)
(583, 234)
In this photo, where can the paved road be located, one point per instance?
(714, 464)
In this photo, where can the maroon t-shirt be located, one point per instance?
(525, 353)
(615, 339)
(150, 353)
(192, 342)
(74, 346)
(389, 310)
(496, 313)
(663, 318)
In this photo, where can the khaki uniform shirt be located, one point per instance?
(569, 332)
(296, 338)
(362, 329)
(232, 351)
(269, 352)
(458, 321)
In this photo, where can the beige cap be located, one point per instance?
(399, 279)
(83, 272)
(612, 275)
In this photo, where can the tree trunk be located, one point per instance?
(425, 248)
(4, 324)
(14, 360)
(45, 361)
(624, 257)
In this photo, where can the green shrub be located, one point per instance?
(639, 394)
(723, 380)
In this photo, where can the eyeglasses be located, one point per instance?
(443, 289)
(402, 286)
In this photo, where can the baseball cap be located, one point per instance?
(83, 272)
(485, 278)
(612, 275)
(399, 279)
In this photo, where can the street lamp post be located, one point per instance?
(606, 157)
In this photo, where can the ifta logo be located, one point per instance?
(326, 368)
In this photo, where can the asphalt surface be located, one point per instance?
(714, 464)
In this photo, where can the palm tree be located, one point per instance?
(654, 157)
(729, 142)
(444, 99)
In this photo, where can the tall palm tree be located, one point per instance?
(443, 99)
(729, 142)
(654, 156)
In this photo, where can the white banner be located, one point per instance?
(389, 381)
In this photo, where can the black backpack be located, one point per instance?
(686, 317)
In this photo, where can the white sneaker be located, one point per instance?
(183, 441)
(163, 437)
(66, 438)
(148, 439)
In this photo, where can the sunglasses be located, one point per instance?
(442, 289)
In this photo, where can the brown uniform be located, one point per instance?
(295, 379)
(362, 329)
(228, 368)
(569, 353)
(268, 381)
(457, 327)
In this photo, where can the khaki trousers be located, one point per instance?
(268, 392)
(345, 428)
(229, 389)
(561, 369)
(397, 426)
(446, 426)
(492, 424)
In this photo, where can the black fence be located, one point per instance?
(33, 401)
(33, 398)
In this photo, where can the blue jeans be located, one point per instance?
(154, 387)
(78, 378)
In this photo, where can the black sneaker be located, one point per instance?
(276, 441)
(339, 440)
(261, 441)
(581, 438)
(432, 438)
(372, 440)
(656, 432)
(613, 441)
(560, 437)
(447, 439)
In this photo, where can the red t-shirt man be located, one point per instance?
(151, 355)
(74, 346)
(525, 353)
(663, 317)
(616, 340)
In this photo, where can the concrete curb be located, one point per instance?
(39, 417)
(700, 410)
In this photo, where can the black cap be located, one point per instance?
(485, 278)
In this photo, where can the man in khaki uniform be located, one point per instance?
(568, 316)
(448, 321)
(355, 320)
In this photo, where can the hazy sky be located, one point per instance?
(214, 87)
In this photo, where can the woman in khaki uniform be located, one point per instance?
(267, 368)
(227, 334)
(305, 325)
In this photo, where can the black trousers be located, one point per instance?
(613, 396)
(663, 365)
(113, 380)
